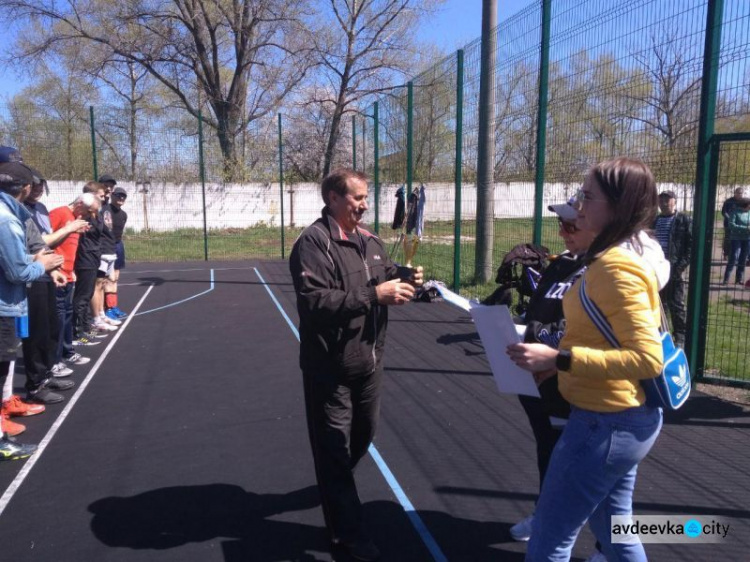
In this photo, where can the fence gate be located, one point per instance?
(725, 325)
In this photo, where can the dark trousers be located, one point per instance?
(40, 347)
(342, 414)
(545, 434)
(673, 299)
(64, 299)
(84, 290)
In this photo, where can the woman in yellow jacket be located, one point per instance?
(592, 472)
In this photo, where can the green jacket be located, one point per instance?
(739, 225)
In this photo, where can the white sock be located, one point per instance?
(8, 386)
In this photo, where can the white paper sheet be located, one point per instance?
(497, 331)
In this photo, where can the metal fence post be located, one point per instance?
(281, 188)
(409, 136)
(376, 168)
(93, 141)
(700, 266)
(202, 168)
(458, 169)
(541, 129)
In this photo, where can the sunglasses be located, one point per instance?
(568, 227)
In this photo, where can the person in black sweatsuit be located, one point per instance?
(345, 281)
(545, 324)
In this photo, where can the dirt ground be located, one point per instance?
(740, 396)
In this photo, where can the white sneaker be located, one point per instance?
(103, 326)
(521, 531)
(78, 359)
(110, 321)
(60, 370)
(597, 557)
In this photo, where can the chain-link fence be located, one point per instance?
(623, 77)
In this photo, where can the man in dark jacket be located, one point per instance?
(675, 234)
(345, 281)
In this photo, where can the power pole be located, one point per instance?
(486, 147)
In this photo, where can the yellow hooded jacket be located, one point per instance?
(624, 285)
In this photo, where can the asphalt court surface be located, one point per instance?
(185, 439)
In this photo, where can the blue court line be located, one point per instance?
(211, 288)
(396, 488)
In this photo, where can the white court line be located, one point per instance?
(21, 476)
(131, 272)
(170, 305)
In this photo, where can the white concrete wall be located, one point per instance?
(170, 206)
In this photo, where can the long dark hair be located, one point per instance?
(630, 189)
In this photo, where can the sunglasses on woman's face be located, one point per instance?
(568, 227)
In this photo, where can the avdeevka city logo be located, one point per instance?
(682, 378)
(693, 528)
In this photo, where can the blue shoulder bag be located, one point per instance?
(671, 388)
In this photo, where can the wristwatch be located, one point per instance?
(563, 360)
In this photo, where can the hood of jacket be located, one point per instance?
(650, 250)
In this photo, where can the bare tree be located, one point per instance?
(240, 57)
(361, 47)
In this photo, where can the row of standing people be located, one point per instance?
(62, 307)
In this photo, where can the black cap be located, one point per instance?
(106, 178)
(10, 154)
(16, 173)
(38, 177)
(668, 195)
(119, 191)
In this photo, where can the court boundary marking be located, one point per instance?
(170, 305)
(34, 458)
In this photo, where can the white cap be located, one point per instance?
(565, 211)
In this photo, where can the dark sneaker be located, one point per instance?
(12, 451)
(361, 549)
(43, 395)
(85, 340)
(57, 384)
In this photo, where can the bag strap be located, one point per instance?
(596, 315)
(601, 322)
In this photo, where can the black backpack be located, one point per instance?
(520, 271)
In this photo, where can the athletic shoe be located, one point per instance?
(60, 370)
(77, 359)
(106, 319)
(15, 407)
(361, 549)
(85, 341)
(12, 451)
(10, 427)
(43, 395)
(521, 531)
(111, 314)
(93, 333)
(57, 384)
(102, 326)
(120, 314)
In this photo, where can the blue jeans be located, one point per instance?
(64, 297)
(591, 476)
(737, 256)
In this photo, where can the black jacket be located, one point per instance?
(545, 322)
(342, 326)
(680, 243)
